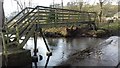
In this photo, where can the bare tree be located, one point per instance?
(101, 6)
(80, 3)
(30, 3)
(19, 4)
(22, 4)
(1, 14)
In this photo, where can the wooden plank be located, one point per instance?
(69, 24)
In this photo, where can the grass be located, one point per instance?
(112, 26)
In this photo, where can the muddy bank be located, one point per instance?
(115, 32)
(77, 32)
(84, 31)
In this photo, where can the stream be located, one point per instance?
(77, 51)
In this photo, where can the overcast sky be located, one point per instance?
(11, 5)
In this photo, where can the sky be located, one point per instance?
(11, 5)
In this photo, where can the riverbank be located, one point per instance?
(114, 28)
(102, 31)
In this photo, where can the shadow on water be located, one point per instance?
(76, 52)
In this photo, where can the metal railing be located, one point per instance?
(23, 23)
(30, 20)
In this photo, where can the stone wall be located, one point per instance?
(19, 59)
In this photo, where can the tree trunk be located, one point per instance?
(1, 25)
(1, 14)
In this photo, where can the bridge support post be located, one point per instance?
(35, 57)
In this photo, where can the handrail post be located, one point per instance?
(69, 15)
(35, 45)
(89, 17)
(4, 47)
(55, 15)
(35, 40)
(6, 38)
(17, 36)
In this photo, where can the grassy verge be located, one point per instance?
(113, 28)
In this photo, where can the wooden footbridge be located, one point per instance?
(30, 21)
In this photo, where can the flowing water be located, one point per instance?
(66, 51)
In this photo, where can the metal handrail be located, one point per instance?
(32, 27)
(22, 31)
(19, 14)
(23, 17)
(65, 9)
(23, 24)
